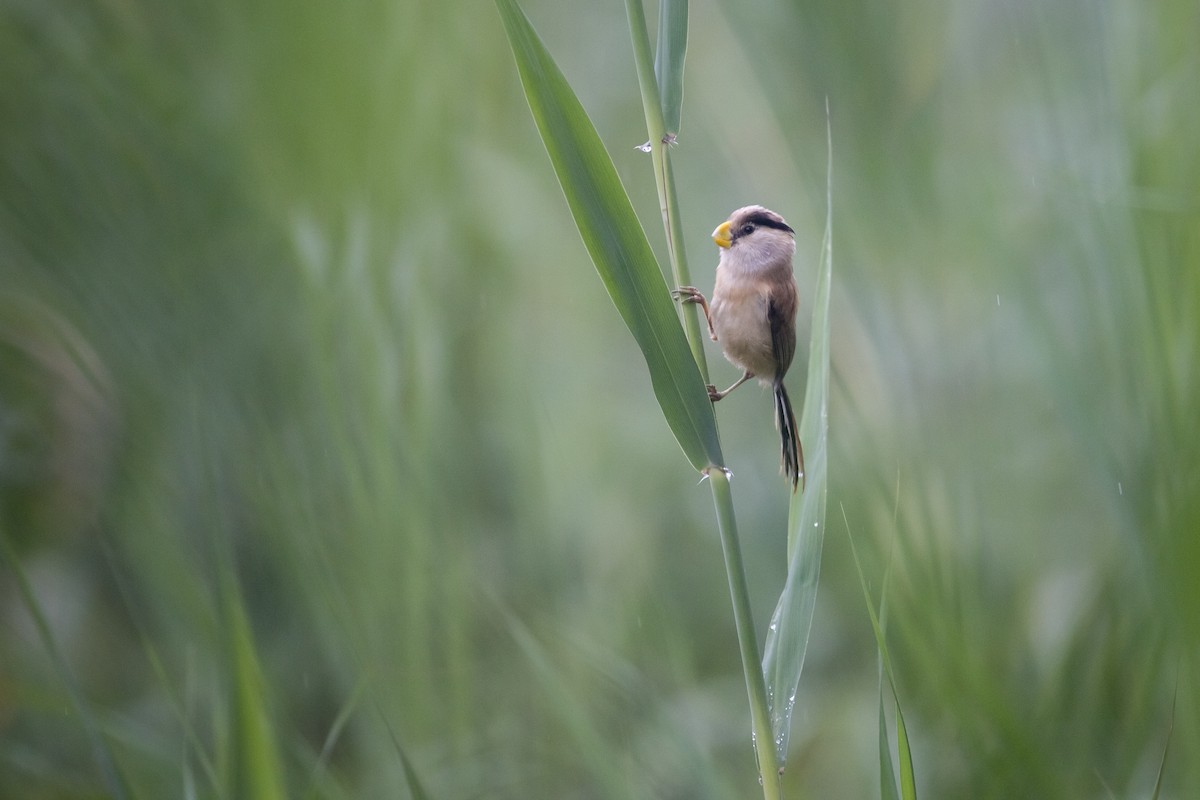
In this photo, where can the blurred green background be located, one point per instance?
(289, 293)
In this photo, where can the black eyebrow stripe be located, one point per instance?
(768, 221)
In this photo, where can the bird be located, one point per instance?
(752, 314)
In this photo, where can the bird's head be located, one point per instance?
(757, 236)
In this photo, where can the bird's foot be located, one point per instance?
(688, 294)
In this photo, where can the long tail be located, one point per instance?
(789, 433)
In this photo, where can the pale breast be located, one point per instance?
(739, 315)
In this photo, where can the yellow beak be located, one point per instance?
(722, 236)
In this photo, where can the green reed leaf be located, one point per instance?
(787, 636)
(615, 240)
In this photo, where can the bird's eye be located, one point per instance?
(746, 230)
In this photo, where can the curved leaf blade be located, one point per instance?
(615, 240)
(787, 637)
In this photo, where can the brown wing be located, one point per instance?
(781, 316)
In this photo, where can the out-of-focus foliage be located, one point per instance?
(289, 288)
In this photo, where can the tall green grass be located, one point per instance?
(299, 281)
(634, 281)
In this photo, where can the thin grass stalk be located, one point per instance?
(659, 144)
(665, 178)
(764, 743)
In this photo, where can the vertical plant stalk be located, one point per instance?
(626, 263)
(756, 688)
(719, 481)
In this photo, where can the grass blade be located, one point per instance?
(908, 778)
(1162, 764)
(908, 784)
(416, 790)
(668, 60)
(110, 773)
(258, 772)
(615, 240)
(787, 636)
(887, 773)
(349, 709)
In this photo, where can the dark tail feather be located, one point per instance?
(789, 433)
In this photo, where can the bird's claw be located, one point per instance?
(690, 294)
